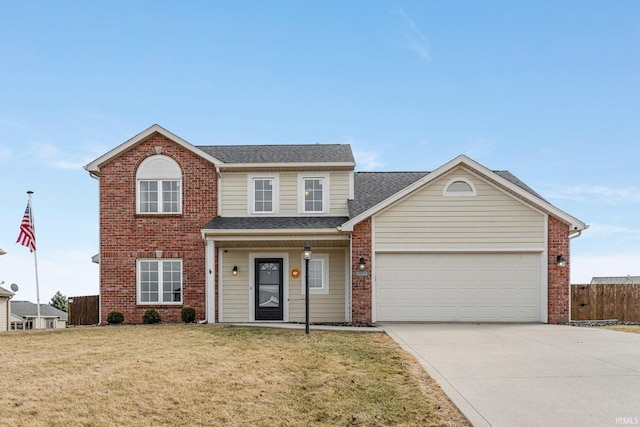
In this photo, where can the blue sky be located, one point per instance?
(547, 90)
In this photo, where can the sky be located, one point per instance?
(547, 90)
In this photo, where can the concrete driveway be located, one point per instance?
(530, 374)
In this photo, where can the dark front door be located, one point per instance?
(268, 289)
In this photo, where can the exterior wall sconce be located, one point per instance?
(235, 270)
(561, 261)
(362, 264)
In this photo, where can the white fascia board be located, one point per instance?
(297, 166)
(462, 160)
(280, 233)
(94, 166)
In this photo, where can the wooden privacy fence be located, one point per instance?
(84, 310)
(604, 302)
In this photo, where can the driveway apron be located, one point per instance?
(530, 374)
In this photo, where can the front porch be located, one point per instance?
(258, 276)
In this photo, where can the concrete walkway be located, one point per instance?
(531, 374)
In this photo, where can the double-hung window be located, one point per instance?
(263, 194)
(159, 281)
(159, 180)
(313, 193)
(318, 274)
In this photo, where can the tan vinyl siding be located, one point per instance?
(234, 187)
(288, 193)
(234, 194)
(339, 183)
(322, 307)
(235, 306)
(426, 220)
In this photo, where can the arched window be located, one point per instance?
(459, 187)
(159, 186)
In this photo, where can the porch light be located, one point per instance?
(362, 264)
(561, 261)
(307, 252)
(235, 270)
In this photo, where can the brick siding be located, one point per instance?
(126, 236)
(361, 286)
(558, 279)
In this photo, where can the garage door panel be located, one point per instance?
(459, 287)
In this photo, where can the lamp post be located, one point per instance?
(307, 257)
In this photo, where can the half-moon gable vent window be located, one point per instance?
(459, 187)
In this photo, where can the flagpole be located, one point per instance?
(35, 260)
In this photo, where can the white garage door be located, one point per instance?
(486, 287)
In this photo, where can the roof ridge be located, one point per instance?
(273, 145)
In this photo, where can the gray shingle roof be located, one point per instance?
(372, 188)
(274, 223)
(514, 180)
(28, 309)
(308, 153)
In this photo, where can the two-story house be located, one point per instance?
(222, 229)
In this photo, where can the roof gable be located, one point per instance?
(94, 166)
(501, 178)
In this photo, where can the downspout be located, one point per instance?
(575, 235)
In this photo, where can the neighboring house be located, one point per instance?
(620, 280)
(222, 229)
(25, 313)
(5, 308)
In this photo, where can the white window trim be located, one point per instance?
(447, 193)
(160, 201)
(326, 184)
(160, 282)
(169, 172)
(325, 275)
(251, 192)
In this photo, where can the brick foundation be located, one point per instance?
(126, 236)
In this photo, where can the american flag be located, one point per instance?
(27, 236)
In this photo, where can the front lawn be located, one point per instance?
(214, 375)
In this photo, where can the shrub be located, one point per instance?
(151, 316)
(188, 315)
(115, 318)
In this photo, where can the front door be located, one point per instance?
(268, 289)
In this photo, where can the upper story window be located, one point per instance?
(263, 194)
(459, 187)
(313, 193)
(159, 186)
